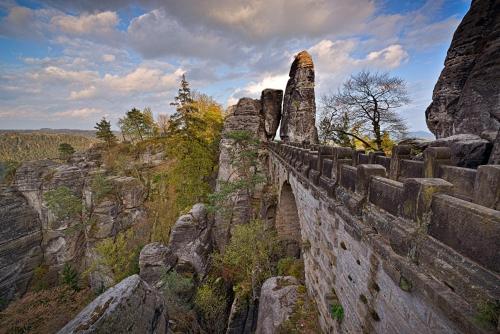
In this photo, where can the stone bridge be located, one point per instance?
(404, 246)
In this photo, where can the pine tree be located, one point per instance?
(184, 94)
(104, 132)
(65, 151)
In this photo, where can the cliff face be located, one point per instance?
(31, 235)
(467, 94)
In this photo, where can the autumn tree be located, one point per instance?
(366, 105)
(103, 131)
(65, 151)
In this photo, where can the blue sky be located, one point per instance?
(65, 64)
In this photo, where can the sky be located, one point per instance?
(66, 64)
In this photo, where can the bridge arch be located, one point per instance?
(287, 220)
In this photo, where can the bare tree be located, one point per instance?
(366, 105)
(163, 121)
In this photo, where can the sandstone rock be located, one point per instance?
(467, 150)
(465, 98)
(130, 190)
(155, 260)
(277, 300)
(190, 239)
(271, 100)
(20, 239)
(495, 152)
(131, 306)
(242, 316)
(298, 122)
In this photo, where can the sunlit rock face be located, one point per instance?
(467, 94)
(299, 106)
(271, 100)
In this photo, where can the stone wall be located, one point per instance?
(400, 254)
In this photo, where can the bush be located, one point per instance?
(488, 314)
(101, 187)
(69, 276)
(249, 258)
(63, 203)
(290, 266)
(211, 302)
(337, 311)
(40, 281)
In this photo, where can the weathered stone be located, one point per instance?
(465, 98)
(495, 152)
(20, 240)
(190, 239)
(487, 186)
(154, 261)
(467, 150)
(131, 306)
(271, 100)
(298, 122)
(242, 316)
(278, 297)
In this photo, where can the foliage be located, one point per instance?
(69, 277)
(178, 289)
(290, 266)
(63, 203)
(191, 145)
(119, 254)
(304, 317)
(65, 151)
(138, 125)
(103, 132)
(40, 281)
(18, 146)
(211, 301)
(44, 311)
(249, 258)
(101, 187)
(7, 171)
(337, 311)
(366, 105)
(488, 314)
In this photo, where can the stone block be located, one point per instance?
(435, 157)
(487, 186)
(348, 177)
(417, 197)
(470, 229)
(364, 174)
(462, 179)
(399, 152)
(410, 169)
(386, 194)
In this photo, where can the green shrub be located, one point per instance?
(101, 187)
(178, 289)
(63, 203)
(290, 266)
(40, 278)
(211, 302)
(488, 314)
(337, 311)
(69, 276)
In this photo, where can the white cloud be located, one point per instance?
(389, 57)
(55, 73)
(142, 79)
(83, 113)
(108, 57)
(86, 93)
(86, 23)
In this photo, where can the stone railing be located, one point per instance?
(457, 206)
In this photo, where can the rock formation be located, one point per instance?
(271, 100)
(190, 240)
(467, 94)
(277, 300)
(20, 244)
(298, 122)
(131, 306)
(155, 260)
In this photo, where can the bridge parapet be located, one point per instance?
(409, 189)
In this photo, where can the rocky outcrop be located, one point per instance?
(190, 240)
(154, 261)
(271, 100)
(247, 117)
(277, 300)
(467, 150)
(131, 306)
(298, 122)
(242, 316)
(20, 240)
(467, 94)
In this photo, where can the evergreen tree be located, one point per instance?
(65, 151)
(138, 125)
(184, 94)
(104, 132)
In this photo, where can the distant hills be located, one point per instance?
(420, 135)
